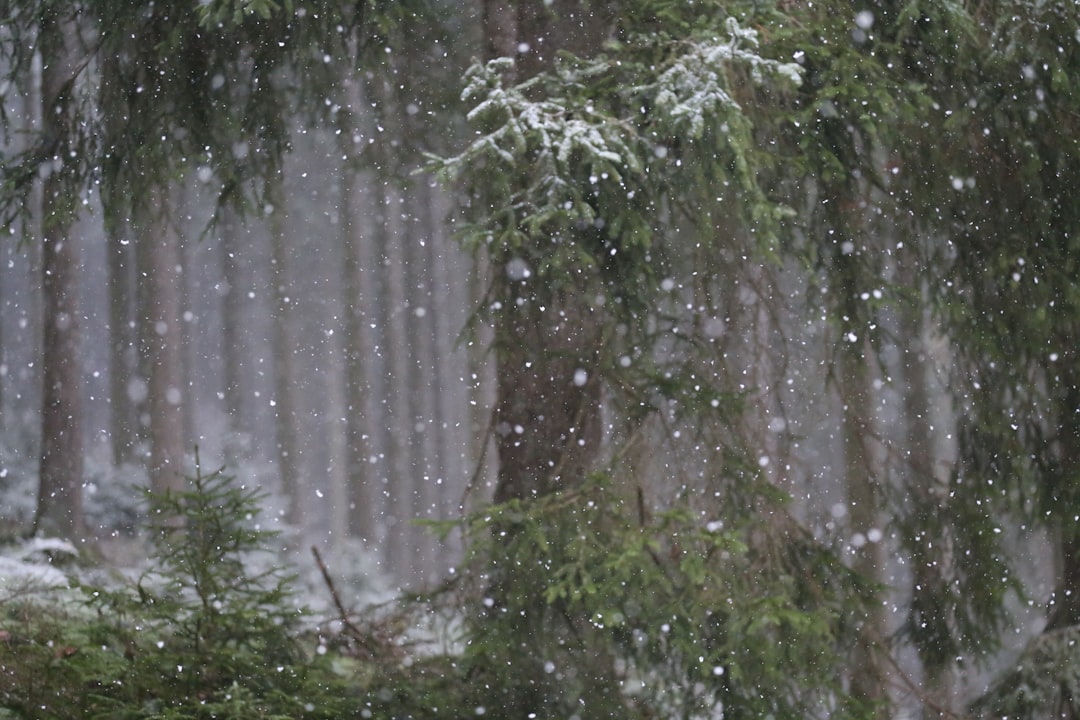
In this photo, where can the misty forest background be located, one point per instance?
(786, 292)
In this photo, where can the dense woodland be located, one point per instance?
(641, 358)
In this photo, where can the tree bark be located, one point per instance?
(161, 336)
(548, 398)
(864, 496)
(236, 337)
(284, 343)
(59, 508)
(123, 343)
(400, 545)
(548, 407)
(358, 346)
(1065, 611)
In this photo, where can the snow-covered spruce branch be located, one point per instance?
(694, 84)
(546, 144)
(548, 148)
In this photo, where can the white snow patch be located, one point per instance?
(48, 545)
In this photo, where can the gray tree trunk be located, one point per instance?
(161, 337)
(400, 545)
(59, 508)
(359, 356)
(358, 342)
(284, 344)
(235, 337)
(123, 343)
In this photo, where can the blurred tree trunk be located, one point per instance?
(59, 508)
(925, 455)
(400, 549)
(1065, 611)
(854, 356)
(284, 344)
(358, 343)
(864, 500)
(161, 337)
(4, 370)
(123, 341)
(359, 350)
(425, 387)
(449, 430)
(235, 336)
(337, 415)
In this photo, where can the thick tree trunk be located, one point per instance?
(59, 509)
(548, 413)
(548, 407)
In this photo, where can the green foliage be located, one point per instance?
(199, 636)
(959, 609)
(577, 604)
(165, 89)
(927, 147)
(233, 12)
(571, 170)
(224, 625)
(1044, 682)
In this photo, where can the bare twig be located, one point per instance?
(343, 614)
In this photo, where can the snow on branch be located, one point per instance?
(546, 152)
(576, 144)
(693, 86)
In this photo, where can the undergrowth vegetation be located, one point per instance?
(212, 630)
(629, 614)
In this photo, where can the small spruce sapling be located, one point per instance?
(229, 624)
(213, 630)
